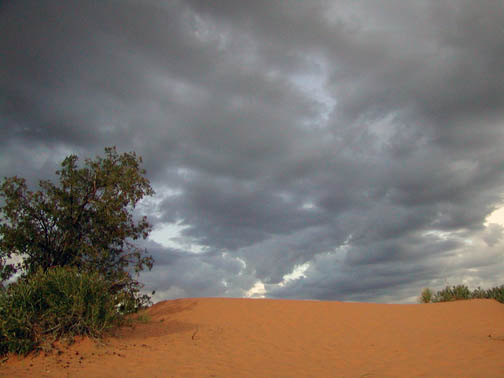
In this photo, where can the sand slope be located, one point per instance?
(215, 337)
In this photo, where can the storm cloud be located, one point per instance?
(334, 150)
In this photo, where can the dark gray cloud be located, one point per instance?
(356, 144)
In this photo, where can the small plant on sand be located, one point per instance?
(141, 318)
(426, 296)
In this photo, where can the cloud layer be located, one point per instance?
(356, 144)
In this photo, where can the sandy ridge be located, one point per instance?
(223, 337)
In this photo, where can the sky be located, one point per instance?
(329, 150)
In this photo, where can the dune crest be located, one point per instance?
(224, 337)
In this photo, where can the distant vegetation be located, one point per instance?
(461, 292)
(77, 266)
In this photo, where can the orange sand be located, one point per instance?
(214, 337)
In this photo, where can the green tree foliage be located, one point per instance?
(85, 221)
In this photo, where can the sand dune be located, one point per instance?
(216, 337)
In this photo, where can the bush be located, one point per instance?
(461, 292)
(479, 293)
(426, 296)
(496, 293)
(60, 302)
(453, 293)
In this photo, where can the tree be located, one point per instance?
(85, 222)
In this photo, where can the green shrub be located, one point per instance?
(461, 292)
(496, 293)
(58, 303)
(426, 296)
(453, 293)
(479, 293)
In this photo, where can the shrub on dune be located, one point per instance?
(461, 292)
(426, 296)
(55, 303)
(453, 293)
